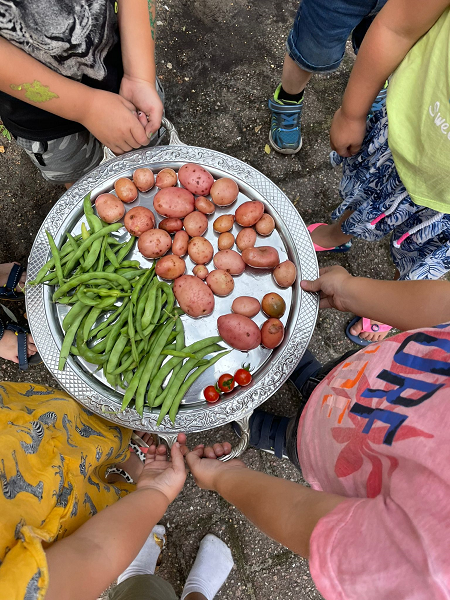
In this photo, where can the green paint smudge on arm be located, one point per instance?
(152, 16)
(36, 91)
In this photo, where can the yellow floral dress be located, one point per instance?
(53, 457)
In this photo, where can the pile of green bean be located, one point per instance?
(123, 319)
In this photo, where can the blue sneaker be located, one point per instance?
(285, 130)
(379, 101)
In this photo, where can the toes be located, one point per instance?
(357, 328)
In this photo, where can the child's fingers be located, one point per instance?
(209, 452)
(182, 438)
(177, 458)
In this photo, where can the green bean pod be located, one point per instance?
(69, 337)
(92, 317)
(110, 319)
(131, 389)
(126, 249)
(87, 244)
(87, 277)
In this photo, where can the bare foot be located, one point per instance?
(8, 346)
(5, 268)
(329, 236)
(369, 336)
(133, 465)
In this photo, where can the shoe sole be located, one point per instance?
(284, 150)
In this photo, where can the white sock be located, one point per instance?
(145, 561)
(211, 568)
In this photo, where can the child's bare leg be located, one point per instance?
(329, 236)
(371, 336)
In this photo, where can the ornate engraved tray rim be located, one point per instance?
(268, 379)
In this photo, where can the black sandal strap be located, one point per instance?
(13, 279)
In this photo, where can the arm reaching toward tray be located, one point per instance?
(403, 304)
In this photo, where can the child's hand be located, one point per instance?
(346, 134)
(144, 97)
(109, 117)
(205, 467)
(332, 285)
(164, 475)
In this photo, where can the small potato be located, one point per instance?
(170, 267)
(285, 274)
(246, 305)
(265, 225)
(200, 250)
(200, 271)
(249, 213)
(173, 202)
(180, 243)
(220, 282)
(224, 191)
(154, 243)
(223, 223)
(193, 296)
(109, 208)
(143, 179)
(139, 219)
(204, 205)
(246, 238)
(239, 332)
(272, 333)
(171, 224)
(196, 179)
(166, 178)
(195, 223)
(126, 190)
(263, 257)
(225, 241)
(229, 260)
(273, 305)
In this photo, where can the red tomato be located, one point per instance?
(243, 376)
(226, 383)
(211, 394)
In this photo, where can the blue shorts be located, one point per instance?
(322, 27)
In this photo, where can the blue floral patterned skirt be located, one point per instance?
(372, 189)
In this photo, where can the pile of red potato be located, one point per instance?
(185, 211)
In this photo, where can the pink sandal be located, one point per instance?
(343, 248)
(367, 327)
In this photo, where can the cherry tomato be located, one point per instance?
(243, 376)
(226, 383)
(211, 394)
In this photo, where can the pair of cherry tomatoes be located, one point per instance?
(226, 383)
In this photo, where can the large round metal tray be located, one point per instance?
(292, 240)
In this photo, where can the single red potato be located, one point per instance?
(166, 178)
(249, 213)
(285, 274)
(220, 282)
(246, 238)
(180, 243)
(139, 219)
(273, 305)
(154, 243)
(109, 208)
(193, 296)
(196, 179)
(195, 223)
(170, 267)
(200, 271)
(173, 202)
(265, 225)
(200, 250)
(246, 305)
(171, 224)
(144, 179)
(126, 190)
(272, 333)
(239, 332)
(263, 257)
(224, 191)
(204, 205)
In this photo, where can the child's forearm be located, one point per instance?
(401, 304)
(82, 565)
(29, 80)
(283, 510)
(137, 37)
(393, 33)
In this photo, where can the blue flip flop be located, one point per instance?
(9, 290)
(267, 432)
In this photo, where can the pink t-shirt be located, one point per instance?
(377, 430)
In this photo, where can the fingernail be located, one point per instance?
(140, 113)
(177, 444)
